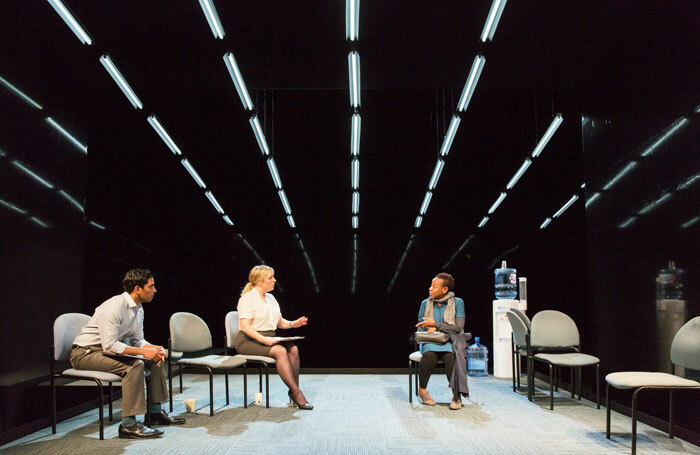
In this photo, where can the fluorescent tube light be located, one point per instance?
(464, 244)
(355, 174)
(301, 244)
(655, 203)
(497, 203)
(273, 171)
(436, 174)
(526, 164)
(21, 94)
(38, 221)
(689, 181)
(592, 199)
(355, 222)
(545, 223)
(107, 62)
(449, 137)
(548, 135)
(354, 242)
(31, 174)
(228, 220)
(583, 185)
(355, 202)
(98, 226)
(259, 135)
(678, 124)
(238, 81)
(426, 202)
(355, 136)
(72, 200)
(13, 207)
(620, 174)
(193, 173)
(290, 220)
(153, 120)
(67, 135)
(627, 222)
(352, 19)
(285, 202)
(483, 221)
(354, 69)
(573, 199)
(690, 222)
(492, 20)
(71, 21)
(470, 85)
(419, 221)
(213, 18)
(214, 202)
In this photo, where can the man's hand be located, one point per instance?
(270, 341)
(427, 322)
(158, 348)
(154, 353)
(302, 321)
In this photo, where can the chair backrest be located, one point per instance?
(519, 328)
(685, 349)
(65, 328)
(522, 316)
(553, 329)
(188, 333)
(232, 328)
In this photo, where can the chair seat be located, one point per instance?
(572, 359)
(175, 356)
(634, 379)
(258, 358)
(92, 374)
(415, 356)
(214, 361)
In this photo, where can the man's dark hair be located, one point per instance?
(136, 277)
(447, 279)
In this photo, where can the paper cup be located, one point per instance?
(258, 398)
(191, 405)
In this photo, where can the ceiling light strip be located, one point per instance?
(72, 23)
(470, 85)
(20, 94)
(124, 86)
(237, 78)
(212, 18)
(67, 135)
(155, 123)
(492, 20)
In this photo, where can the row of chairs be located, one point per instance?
(553, 338)
(188, 334)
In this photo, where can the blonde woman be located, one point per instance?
(259, 315)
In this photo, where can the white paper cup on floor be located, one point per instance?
(258, 398)
(191, 405)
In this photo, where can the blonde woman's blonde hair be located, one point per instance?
(256, 275)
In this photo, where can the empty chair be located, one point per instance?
(189, 333)
(555, 331)
(520, 341)
(685, 352)
(65, 328)
(232, 329)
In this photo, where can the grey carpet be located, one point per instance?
(365, 414)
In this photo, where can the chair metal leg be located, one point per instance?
(579, 383)
(260, 376)
(111, 398)
(100, 405)
(180, 378)
(573, 382)
(267, 387)
(227, 397)
(245, 385)
(551, 392)
(607, 411)
(520, 360)
(597, 385)
(170, 384)
(211, 392)
(410, 382)
(512, 361)
(53, 404)
(634, 420)
(670, 413)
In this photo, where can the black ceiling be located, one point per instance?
(547, 57)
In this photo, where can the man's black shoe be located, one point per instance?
(162, 418)
(138, 431)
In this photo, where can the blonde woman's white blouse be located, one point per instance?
(262, 315)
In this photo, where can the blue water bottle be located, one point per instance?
(506, 282)
(477, 359)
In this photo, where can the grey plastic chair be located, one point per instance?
(232, 329)
(520, 342)
(685, 352)
(189, 333)
(555, 331)
(65, 328)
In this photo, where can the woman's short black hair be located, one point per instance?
(447, 279)
(136, 277)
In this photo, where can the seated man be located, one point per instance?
(117, 318)
(443, 312)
